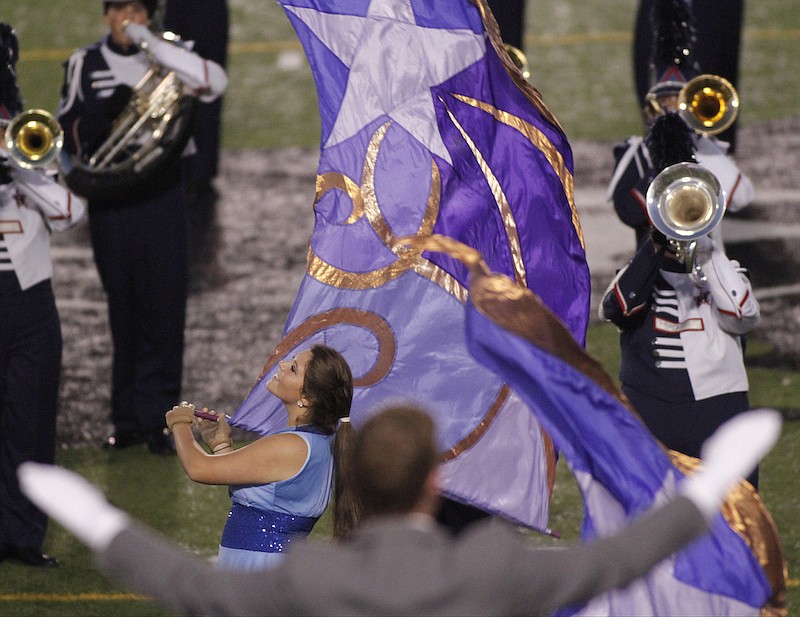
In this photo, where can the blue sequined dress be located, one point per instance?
(266, 518)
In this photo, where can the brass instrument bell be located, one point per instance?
(519, 59)
(708, 104)
(34, 138)
(685, 202)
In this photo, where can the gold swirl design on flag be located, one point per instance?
(543, 144)
(377, 326)
(502, 204)
(329, 181)
(366, 205)
(745, 513)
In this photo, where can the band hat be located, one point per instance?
(672, 62)
(10, 98)
(150, 5)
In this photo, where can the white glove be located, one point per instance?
(206, 78)
(729, 455)
(705, 244)
(73, 502)
(141, 35)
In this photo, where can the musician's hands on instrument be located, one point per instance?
(142, 35)
(662, 244)
(180, 414)
(205, 78)
(705, 244)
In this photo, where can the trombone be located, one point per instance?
(708, 104)
(34, 138)
(685, 202)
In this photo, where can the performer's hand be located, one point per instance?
(180, 414)
(69, 499)
(729, 455)
(662, 244)
(206, 78)
(141, 35)
(216, 435)
(704, 246)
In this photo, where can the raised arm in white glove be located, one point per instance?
(72, 501)
(206, 78)
(729, 455)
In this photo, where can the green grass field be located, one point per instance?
(580, 59)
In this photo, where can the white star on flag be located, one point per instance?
(393, 64)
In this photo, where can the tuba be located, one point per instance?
(34, 138)
(685, 202)
(150, 133)
(708, 104)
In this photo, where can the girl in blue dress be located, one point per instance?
(279, 484)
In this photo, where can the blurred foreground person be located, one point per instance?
(32, 206)
(399, 562)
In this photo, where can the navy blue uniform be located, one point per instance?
(681, 342)
(206, 23)
(31, 206)
(139, 237)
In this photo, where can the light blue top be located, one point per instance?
(261, 524)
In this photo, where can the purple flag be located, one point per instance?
(620, 468)
(427, 128)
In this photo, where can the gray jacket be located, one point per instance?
(393, 566)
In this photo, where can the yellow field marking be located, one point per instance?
(792, 582)
(265, 47)
(70, 597)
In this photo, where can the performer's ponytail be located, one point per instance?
(346, 505)
(328, 384)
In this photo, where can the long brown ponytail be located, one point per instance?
(346, 505)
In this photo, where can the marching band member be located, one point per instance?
(139, 237)
(682, 331)
(671, 70)
(32, 205)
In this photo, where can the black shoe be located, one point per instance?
(30, 557)
(160, 442)
(123, 439)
